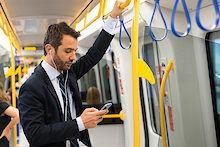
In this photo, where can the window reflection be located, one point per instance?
(216, 68)
(87, 81)
(213, 52)
(104, 75)
(93, 96)
(153, 92)
(99, 86)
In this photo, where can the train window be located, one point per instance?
(4, 43)
(150, 56)
(104, 71)
(4, 55)
(213, 52)
(99, 86)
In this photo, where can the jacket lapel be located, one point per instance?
(53, 92)
(51, 89)
(75, 98)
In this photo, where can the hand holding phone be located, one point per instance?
(106, 106)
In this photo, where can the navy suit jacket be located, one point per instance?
(39, 107)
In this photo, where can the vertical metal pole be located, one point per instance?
(13, 86)
(135, 76)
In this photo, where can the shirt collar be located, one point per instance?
(51, 71)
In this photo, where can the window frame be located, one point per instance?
(212, 84)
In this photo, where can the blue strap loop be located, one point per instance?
(157, 2)
(121, 18)
(187, 18)
(215, 2)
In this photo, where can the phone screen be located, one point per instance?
(106, 106)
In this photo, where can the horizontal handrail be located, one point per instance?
(120, 115)
(122, 6)
(94, 19)
(102, 8)
(125, 4)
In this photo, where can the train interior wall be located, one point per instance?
(187, 88)
(188, 84)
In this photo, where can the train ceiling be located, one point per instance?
(32, 17)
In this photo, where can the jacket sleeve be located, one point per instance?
(32, 116)
(93, 56)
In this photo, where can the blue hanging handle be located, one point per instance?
(121, 18)
(215, 2)
(187, 18)
(157, 2)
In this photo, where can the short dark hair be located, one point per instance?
(32, 64)
(55, 33)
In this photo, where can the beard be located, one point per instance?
(61, 65)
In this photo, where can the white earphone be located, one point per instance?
(52, 59)
(65, 86)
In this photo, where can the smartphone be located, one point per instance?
(106, 106)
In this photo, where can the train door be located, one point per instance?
(213, 56)
(188, 114)
(97, 87)
(149, 94)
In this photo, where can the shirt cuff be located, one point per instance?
(80, 124)
(110, 25)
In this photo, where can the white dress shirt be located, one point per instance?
(53, 73)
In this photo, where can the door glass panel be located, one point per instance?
(99, 86)
(150, 56)
(213, 52)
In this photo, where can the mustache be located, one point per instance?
(71, 61)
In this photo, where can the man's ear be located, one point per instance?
(48, 48)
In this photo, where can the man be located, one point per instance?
(49, 101)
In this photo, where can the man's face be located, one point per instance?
(66, 53)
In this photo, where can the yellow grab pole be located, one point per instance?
(104, 6)
(9, 73)
(123, 5)
(135, 77)
(162, 118)
(19, 76)
(120, 115)
(94, 19)
(86, 14)
(18, 71)
(75, 23)
(13, 87)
